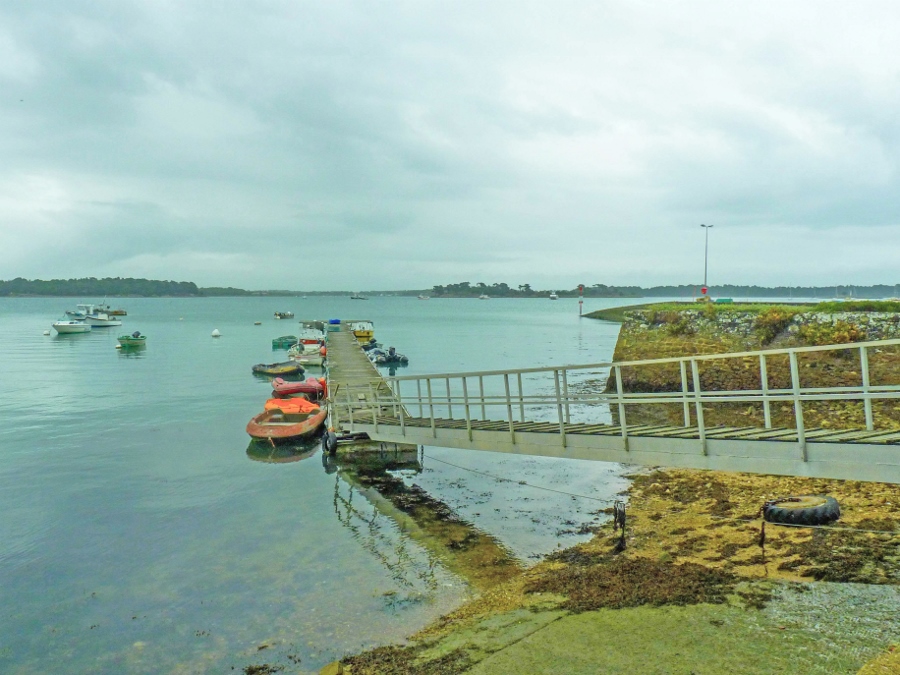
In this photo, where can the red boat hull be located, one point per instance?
(274, 426)
(310, 386)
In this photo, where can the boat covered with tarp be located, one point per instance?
(283, 368)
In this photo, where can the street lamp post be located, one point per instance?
(706, 255)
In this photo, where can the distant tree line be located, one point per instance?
(118, 286)
(467, 289)
(92, 287)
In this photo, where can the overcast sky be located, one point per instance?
(379, 145)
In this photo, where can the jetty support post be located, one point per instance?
(449, 401)
(521, 398)
(867, 396)
(431, 407)
(798, 404)
(559, 409)
(481, 396)
(509, 413)
(764, 381)
(565, 392)
(698, 403)
(419, 394)
(623, 425)
(465, 387)
(684, 394)
(350, 410)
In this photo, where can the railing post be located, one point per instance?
(565, 391)
(622, 423)
(559, 409)
(400, 411)
(431, 407)
(481, 395)
(867, 399)
(419, 393)
(449, 401)
(509, 415)
(684, 394)
(764, 380)
(350, 410)
(375, 410)
(521, 399)
(698, 404)
(798, 405)
(466, 406)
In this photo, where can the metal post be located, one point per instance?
(764, 380)
(509, 415)
(350, 410)
(449, 401)
(684, 394)
(466, 406)
(400, 411)
(481, 395)
(565, 391)
(419, 393)
(521, 399)
(867, 401)
(559, 409)
(431, 407)
(798, 405)
(375, 410)
(622, 423)
(698, 404)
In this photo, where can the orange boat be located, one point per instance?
(287, 419)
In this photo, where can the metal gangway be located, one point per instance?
(568, 411)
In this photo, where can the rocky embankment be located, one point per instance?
(669, 330)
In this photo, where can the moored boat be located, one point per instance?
(284, 341)
(136, 339)
(308, 354)
(311, 386)
(284, 315)
(554, 296)
(391, 357)
(66, 326)
(287, 420)
(363, 330)
(283, 368)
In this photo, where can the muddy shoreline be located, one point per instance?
(692, 545)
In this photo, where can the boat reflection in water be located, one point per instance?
(281, 453)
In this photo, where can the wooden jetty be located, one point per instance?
(356, 390)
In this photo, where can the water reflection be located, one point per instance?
(439, 532)
(266, 451)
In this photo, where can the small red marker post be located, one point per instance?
(580, 298)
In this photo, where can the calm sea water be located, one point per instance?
(138, 536)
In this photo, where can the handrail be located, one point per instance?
(670, 359)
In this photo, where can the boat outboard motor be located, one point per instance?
(136, 334)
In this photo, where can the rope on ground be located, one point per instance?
(520, 482)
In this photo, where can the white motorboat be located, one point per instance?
(484, 297)
(71, 326)
(101, 319)
(554, 296)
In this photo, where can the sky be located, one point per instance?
(270, 144)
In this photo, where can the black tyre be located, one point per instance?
(329, 443)
(804, 510)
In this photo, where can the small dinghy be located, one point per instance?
(284, 368)
(311, 386)
(136, 339)
(284, 342)
(287, 420)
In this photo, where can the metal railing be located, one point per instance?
(512, 395)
